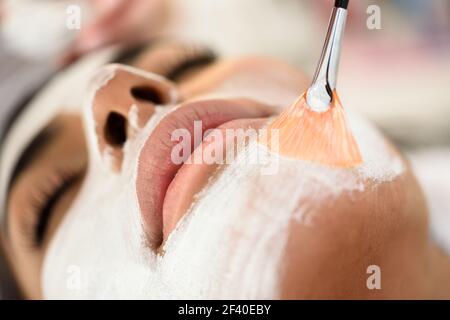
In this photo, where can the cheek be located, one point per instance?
(385, 222)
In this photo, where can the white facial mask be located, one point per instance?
(229, 245)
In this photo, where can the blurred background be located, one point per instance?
(395, 68)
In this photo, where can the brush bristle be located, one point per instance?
(320, 137)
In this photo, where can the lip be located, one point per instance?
(163, 194)
(192, 177)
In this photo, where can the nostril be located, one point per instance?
(116, 129)
(146, 93)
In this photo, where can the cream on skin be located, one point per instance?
(229, 244)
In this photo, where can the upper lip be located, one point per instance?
(156, 170)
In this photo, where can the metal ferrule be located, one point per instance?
(320, 93)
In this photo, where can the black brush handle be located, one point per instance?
(341, 4)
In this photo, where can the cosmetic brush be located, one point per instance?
(314, 128)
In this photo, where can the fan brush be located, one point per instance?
(314, 128)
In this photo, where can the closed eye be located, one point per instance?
(47, 198)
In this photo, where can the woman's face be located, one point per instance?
(110, 200)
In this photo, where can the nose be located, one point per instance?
(123, 104)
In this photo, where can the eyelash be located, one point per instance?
(186, 59)
(54, 183)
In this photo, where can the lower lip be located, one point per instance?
(192, 177)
